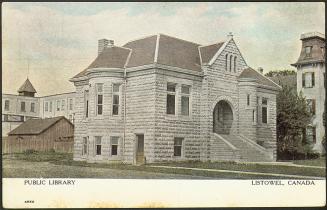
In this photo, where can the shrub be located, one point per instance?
(52, 150)
(30, 151)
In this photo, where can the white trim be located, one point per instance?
(157, 49)
(128, 58)
(200, 54)
(214, 58)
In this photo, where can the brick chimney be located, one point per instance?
(104, 43)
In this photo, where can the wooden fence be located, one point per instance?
(17, 145)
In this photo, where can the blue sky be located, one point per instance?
(60, 39)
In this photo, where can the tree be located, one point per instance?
(285, 72)
(292, 119)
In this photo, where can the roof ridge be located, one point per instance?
(211, 44)
(156, 51)
(133, 40)
(179, 39)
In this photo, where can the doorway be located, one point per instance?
(140, 149)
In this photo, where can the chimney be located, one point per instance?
(104, 43)
(230, 35)
(260, 69)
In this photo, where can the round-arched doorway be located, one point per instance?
(222, 118)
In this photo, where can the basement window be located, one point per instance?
(178, 146)
(114, 145)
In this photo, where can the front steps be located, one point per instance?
(237, 148)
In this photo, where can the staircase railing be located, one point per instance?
(231, 146)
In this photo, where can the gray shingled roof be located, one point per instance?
(171, 51)
(27, 87)
(261, 79)
(207, 52)
(35, 126)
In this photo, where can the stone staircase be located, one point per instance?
(243, 149)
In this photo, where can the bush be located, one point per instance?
(52, 150)
(30, 151)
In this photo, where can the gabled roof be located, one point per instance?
(261, 79)
(207, 52)
(27, 87)
(36, 126)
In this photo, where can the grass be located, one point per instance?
(66, 160)
(315, 162)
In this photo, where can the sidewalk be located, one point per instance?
(283, 164)
(241, 172)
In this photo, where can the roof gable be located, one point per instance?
(261, 79)
(36, 126)
(27, 87)
(207, 52)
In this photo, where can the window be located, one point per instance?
(32, 107)
(311, 134)
(308, 50)
(185, 100)
(178, 144)
(86, 103)
(98, 145)
(253, 115)
(63, 103)
(5, 118)
(50, 107)
(235, 63)
(99, 98)
(230, 63)
(171, 91)
(46, 107)
(84, 148)
(311, 106)
(70, 104)
(308, 79)
(257, 112)
(7, 105)
(248, 99)
(22, 118)
(226, 62)
(264, 112)
(58, 105)
(22, 106)
(115, 99)
(114, 145)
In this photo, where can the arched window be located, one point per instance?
(230, 63)
(235, 63)
(226, 64)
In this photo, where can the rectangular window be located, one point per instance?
(5, 119)
(7, 105)
(311, 106)
(311, 134)
(308, 79)
(70, 104)
(84, 148)
(58, 105)
(171, 92)
(99, 98)
(185, 100)
(86, 103)
(32, 107)
(46, 106)
(308, 51)
(253, 115)
(178, 144)
(50, 107)
(257, 111)
(63, 104)
(114, 145)
(98, 145)
(115, 99)
(22, 106)
(248, 99)
(264, 112)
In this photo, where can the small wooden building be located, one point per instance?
(41, 135)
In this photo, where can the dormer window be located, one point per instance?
(308, 51)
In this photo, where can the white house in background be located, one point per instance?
(311, 81)
(16, 109)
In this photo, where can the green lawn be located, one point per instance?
(316, 162)
(64, 159)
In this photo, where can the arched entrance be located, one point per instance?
(222, 118)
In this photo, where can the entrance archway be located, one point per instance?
(222, 118)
